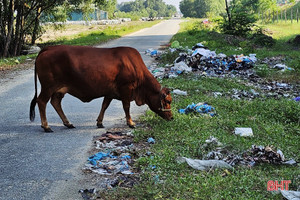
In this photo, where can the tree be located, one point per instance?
(20, 20)
(107, 5)
(201, 8)
(187, 8)
(154, 8)
(240, 17)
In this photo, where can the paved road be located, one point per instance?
(38, 165)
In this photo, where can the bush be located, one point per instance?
(263, 40)
(240, 24)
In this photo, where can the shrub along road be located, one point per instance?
(38, 165)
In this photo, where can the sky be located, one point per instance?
(170, 2)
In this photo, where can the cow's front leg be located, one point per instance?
(105, 104)
(126, 107)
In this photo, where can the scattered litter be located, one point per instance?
(217, 94)
(175, 44)
(114, 157)
(107, 164)
(125, 181)
(88, 194)
(282, 67)
(32, 50)
(199, 45)
(261, 154)
(151, 140)
(212, 141)
(290, 195)
(297, 98)
(205, 21)
(202, 108)
(94, 159)
(180, 92)
(244, 132)
(204, 164)
(290, 162)
(153, 52)
(181, 67)
(159, 72)
(204, 53)
(214, 155)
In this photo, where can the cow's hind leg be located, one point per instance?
(42, 101)
(56, 103)
(105, 104)
(126, 107)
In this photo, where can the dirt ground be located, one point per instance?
(51, 33)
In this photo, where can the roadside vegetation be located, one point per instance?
(274, 122)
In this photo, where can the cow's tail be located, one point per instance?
(33, 102)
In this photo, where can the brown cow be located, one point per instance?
(88, 73)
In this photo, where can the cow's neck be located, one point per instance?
(152, 89)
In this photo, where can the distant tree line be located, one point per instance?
(202, 8)
(148, 8)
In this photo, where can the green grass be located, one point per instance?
(274, 122)
(10, 63)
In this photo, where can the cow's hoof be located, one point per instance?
(69, 125)
(47, 129)
(131, 126)
(100, 125)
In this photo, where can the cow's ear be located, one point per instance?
(166, 90)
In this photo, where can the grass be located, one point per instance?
(274, 122)
(11, 63)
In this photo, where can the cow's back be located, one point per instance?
(88, 72)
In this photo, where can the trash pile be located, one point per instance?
(261, 154)
(207, 62)
(276, 89)
(107, 164)
(202, 108)
(272, 89)
(114, 159)
(221, 158)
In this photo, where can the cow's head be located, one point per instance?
(161, 104)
